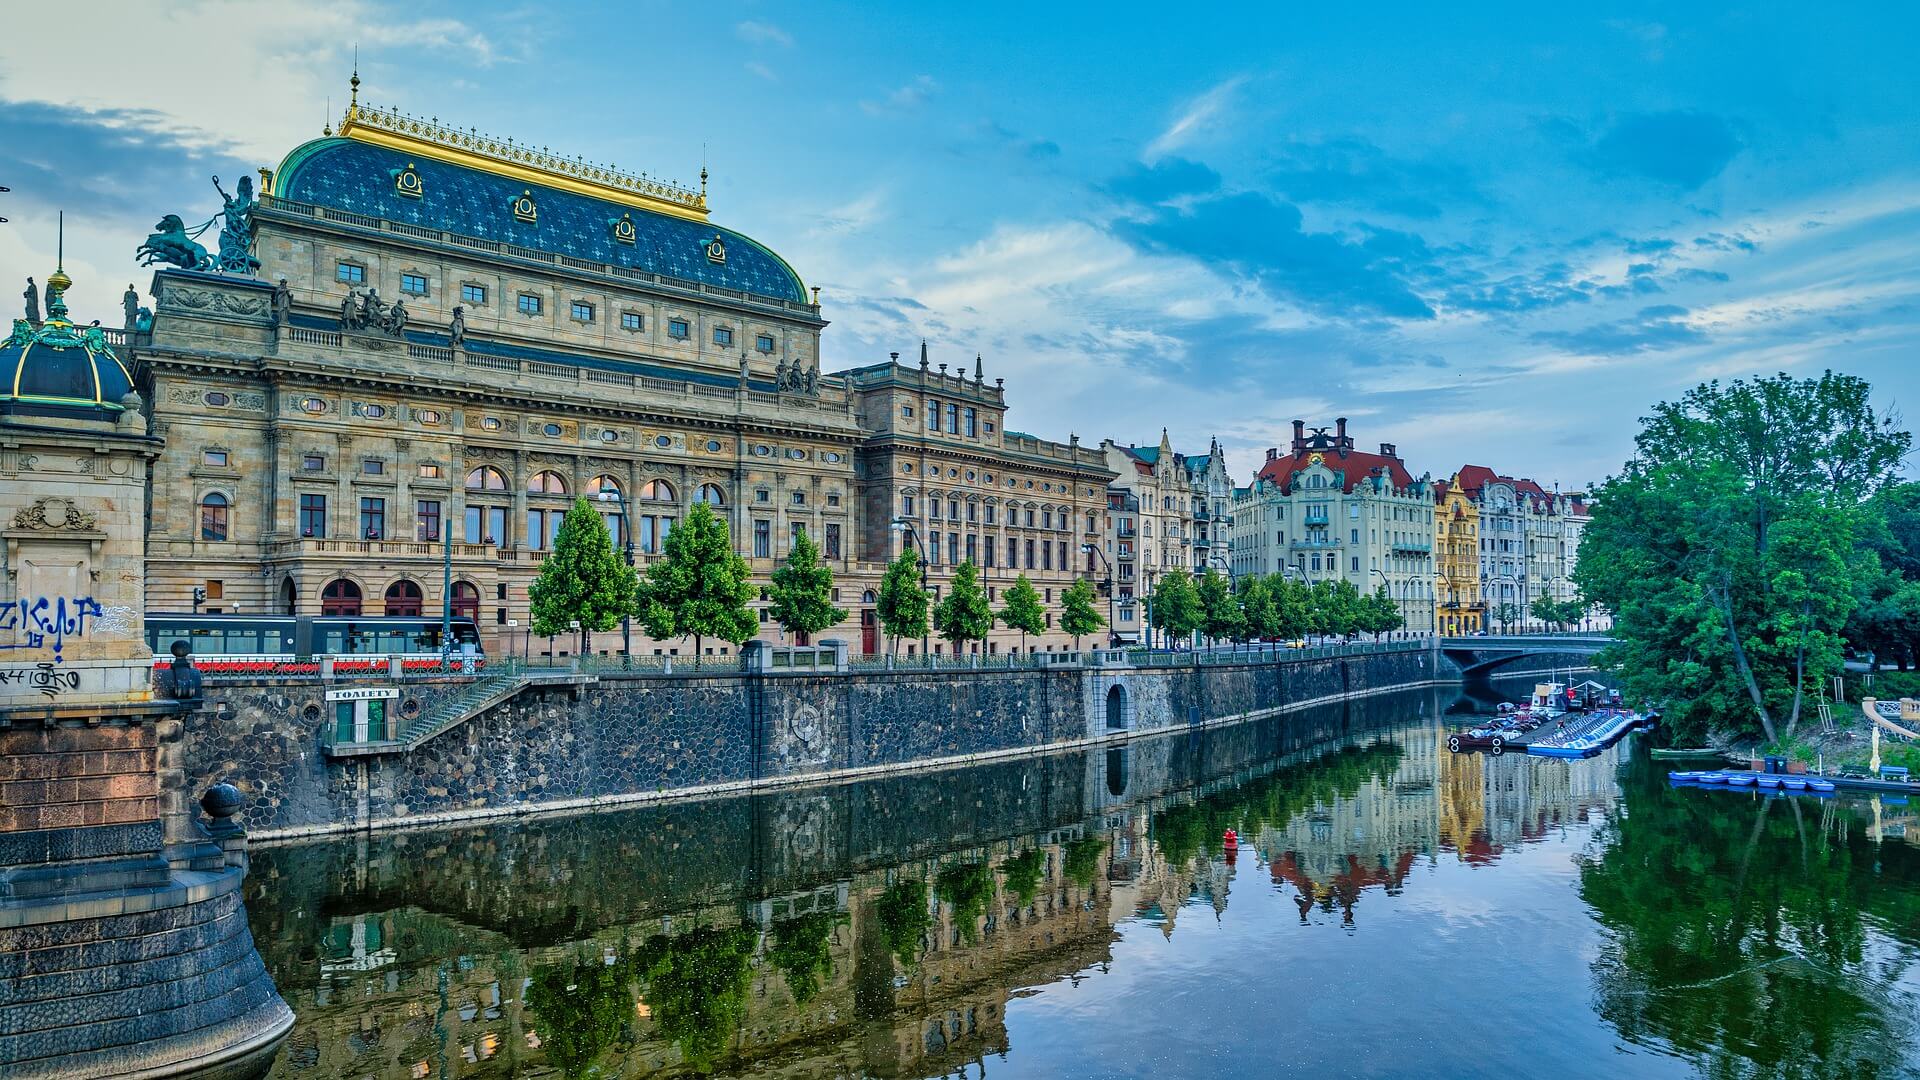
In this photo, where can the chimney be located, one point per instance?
(1273, 452)
(1386, 450)
(1299, 435)
(1340, 433)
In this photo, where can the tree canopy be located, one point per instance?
(582, 579)
(964, 614)
(1220, 616)
(1176, 606)
(1080, 610)
(698, 587)
(902, 603)
(801, 599)
(1727, 547)
(1022, 610)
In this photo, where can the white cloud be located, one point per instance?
(904, 99)
(757, 68)
(759, 33)
(854, 216)
(257, 73)
(1196, 117)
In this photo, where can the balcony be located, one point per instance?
(1316, 518)
(394, 549)
(1412, 547)
(1314, 544)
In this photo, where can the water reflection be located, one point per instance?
(891, 928)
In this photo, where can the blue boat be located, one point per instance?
(1768, 781)
(1715, 777)
(1740, 780)
(1684, 776)
(1795, 783)
(1823, 787)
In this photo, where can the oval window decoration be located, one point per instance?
(314, 404)
(713, 446)
(796, 454)
(663, 441)
(552, 430)
(491, 423)
(609, 435)
(373, 412)
(969, 475)
(427, 416)
(215, 397)
(833, 457)
(763, 450)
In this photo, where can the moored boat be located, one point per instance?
(1740, 779)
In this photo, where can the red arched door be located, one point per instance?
(403, 598)
(466, 600)
(340, 597)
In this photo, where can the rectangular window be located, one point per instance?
(313, 463)
(906, 506)
(373, 467)
(213, 518)
(630, 320)
(473, 294)
(429, 472)
(973, 511)
(1046, 555)
(906, 412)
(990, 509)
(799, 498)
(1356, 563)
(795, 530)
(677, 328)
(487, 525)
(529, 304)
(971, 417)
(215, 458)
(953, 418)
(973, 548)
(953, 548)
(764, 343)
(313, 515)
(833, 498)
(373, 519)
(426, 519)
(582, 311)
(989, 427)
(413, 284)
(653, 530)
(1046, 519)
(833, 540)
(986, 552)
(351, 273)
(763, 539)
(933, 415)
(933, 550)
(1029, 554)
(722, 336)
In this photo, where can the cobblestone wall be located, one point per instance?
(639, 737)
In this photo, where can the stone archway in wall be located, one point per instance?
(1117, 713)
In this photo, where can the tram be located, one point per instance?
(294, 644)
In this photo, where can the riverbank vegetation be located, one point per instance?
(1732, 549)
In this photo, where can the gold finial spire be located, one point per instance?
(58, 282)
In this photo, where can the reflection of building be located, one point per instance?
(1456, 537)
(1487, 803)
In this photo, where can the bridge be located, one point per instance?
(1482, 657)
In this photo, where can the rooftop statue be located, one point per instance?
(32, 297)
(171, 244)
(236, 227)
(365, 313)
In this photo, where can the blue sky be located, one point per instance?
(1491, 234)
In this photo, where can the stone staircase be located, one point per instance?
(477, 697)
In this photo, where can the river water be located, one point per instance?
(1387, 910)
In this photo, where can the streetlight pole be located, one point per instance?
(1147, 573)
(626, 535)
(914, 543)
(1106, 584)
(446, 590)
(1385, 584)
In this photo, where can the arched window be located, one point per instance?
(403, 598)
(466, 600)
(712, 495)
(486, 478)
(545, 483)
(868, 597)
(656, 491)
(340, 597)
(602, 485)
(213, 517)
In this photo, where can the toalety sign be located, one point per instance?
(363, 695)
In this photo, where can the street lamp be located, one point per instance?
(1106, 584)
(901, 524)
(1147, 573)
(1384, 583)
(614, 495)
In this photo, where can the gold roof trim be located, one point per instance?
(504, 157)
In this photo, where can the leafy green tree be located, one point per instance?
(1022, 873)
(1259, 610)
(1080, 610)
(902, 606)
(697, 984)
(801, 599)
(1727, 549)
(1022, 610)
(582, 578)
(964, 614)
(904, 919)
(1220, 615)
(1506, 615)
(1547, 610)
(1336, 607)
(1379, 614)
(968, 887)
(1176, 606)
(583, 1008)
(802, 951)
(698, 588)
(1294, 602)
(1081, 863)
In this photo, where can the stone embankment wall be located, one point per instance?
(640, 737)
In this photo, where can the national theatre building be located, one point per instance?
(432, 341)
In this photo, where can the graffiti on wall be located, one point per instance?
(46, 678)
(40, 622)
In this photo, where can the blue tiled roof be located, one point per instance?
(359, 177)
(1148, 454)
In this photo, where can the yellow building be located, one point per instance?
(1458, 607)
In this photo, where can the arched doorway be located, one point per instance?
(404, 598)
(466, 600)
(340, 597)
(1116, 708)
(869, 625)
(289, 598)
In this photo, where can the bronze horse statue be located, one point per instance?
(170, 244)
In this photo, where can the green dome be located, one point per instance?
(59, 369)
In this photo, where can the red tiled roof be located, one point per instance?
(1355, 464)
